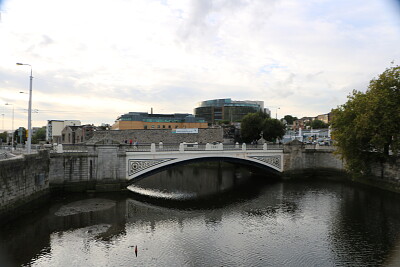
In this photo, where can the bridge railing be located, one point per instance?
(19, 148)
(161, 147)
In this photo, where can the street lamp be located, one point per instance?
(29, 109)
(12, 127)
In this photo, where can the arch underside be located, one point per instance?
(141, 168)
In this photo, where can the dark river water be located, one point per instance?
(211, 214)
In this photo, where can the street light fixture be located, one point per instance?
(12, 127)
(29, 109)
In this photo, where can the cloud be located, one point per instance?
(93, 56)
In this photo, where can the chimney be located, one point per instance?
(151, 112)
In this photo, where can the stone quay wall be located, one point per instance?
(99, 168)
(206, 135)
(22, 180)
(384, 175)
(299, 161)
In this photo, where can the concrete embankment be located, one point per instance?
(23, 180)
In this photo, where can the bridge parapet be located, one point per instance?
(182, 147)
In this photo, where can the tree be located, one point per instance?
(20, 137)
(252, 125)
(289, 119)
(40, 135)
(255, 123)
(318, 124)
(3, 137)
(273, 129)
(366, 127)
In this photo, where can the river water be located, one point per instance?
(211, 214)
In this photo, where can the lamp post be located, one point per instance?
(276, 113)
(29, 109)
(12, 127)
(2, 122)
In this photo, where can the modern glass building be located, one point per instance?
(144, 120)
(227, 109)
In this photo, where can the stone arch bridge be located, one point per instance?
(141, 163)
(109, 162)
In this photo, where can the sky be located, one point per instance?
(94, 60)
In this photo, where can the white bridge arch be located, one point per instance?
(141, 162)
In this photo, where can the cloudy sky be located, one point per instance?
(94, 60)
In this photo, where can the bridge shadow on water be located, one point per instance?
(202, 185)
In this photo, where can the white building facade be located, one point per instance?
(55, 127)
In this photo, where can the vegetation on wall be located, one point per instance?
(366, 128)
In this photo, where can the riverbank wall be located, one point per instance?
(385, 175)
(99, 168)
(23, 180)
(301, 161)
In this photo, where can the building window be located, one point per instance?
(176, 126)
(163, 126)
(169, 126)
(152, 126)
(158, 126)
(145, 127)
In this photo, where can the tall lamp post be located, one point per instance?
(12, 127)
(29, 109)
(276, 113)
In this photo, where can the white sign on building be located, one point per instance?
(186, 131)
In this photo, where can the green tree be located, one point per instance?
(366, 127)
(40, 135)
(289, 119)
(3, 137)
(318, 124)
(273, 129)
(255, 123)
(20, 138)
(252, 125)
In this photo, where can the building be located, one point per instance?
(326, 118)
(144, 120)
(227, 109)
(55, 127)
(303, 122)
(77, 134)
